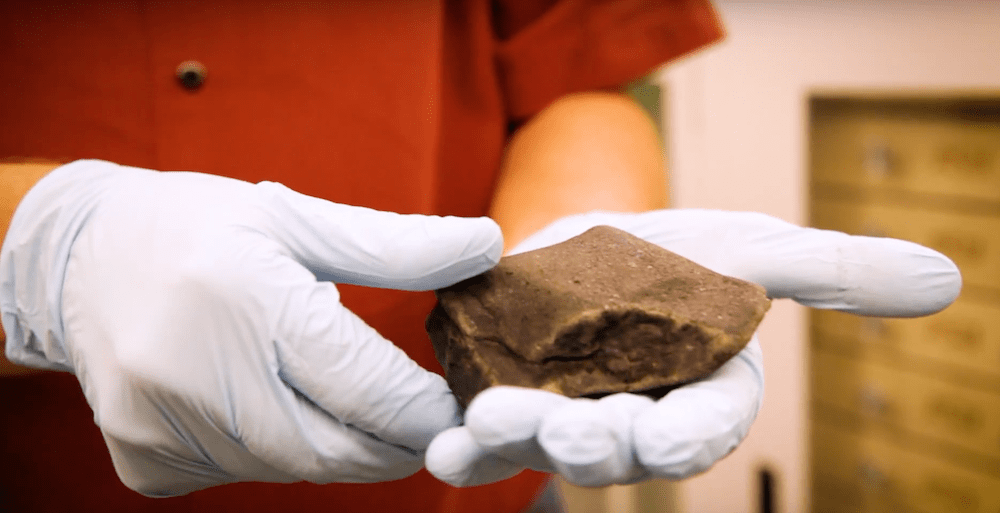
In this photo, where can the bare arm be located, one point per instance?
(585, 151)
(15, 181)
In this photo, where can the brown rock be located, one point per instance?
(601, 313)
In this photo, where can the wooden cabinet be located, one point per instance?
(906, 412)
(872, 472)
(898, 146)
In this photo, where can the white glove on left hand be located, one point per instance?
(189, 308)
(625, 438)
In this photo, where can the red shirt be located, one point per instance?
(395, 105)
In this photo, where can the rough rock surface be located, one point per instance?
(601, 313)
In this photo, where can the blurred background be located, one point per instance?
(875, 118)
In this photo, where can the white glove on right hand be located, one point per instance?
(188, 306)
(625, 438)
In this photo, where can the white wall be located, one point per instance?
(736, 119)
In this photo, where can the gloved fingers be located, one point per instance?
(511, 428)
(338, 362)
(832, 270)
(498, 440)
(590, 442)
(333, 358)
(177, 420)
(155, 471)
(356, 245)
(302, 439)
(505, 421)
(280, 441)
(166, 440)
(155, 474)
(695, 425)
(455, 458)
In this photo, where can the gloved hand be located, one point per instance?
(188, 306)
(625, 438)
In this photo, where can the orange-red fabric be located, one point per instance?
(395, 105)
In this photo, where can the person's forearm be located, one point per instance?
(15, 181)
(584, 152)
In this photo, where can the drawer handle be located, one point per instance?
(873, 329)
(873, 228)
(879, 160)
(872, 478)
(955, 496)
(964, 337)
(872, 402)
(963, 418)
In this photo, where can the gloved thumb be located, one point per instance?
(850, 273)
(361, 246)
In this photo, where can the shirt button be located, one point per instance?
(191, 74)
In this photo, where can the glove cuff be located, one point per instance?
(34, 255)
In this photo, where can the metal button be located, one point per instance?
(191, 74)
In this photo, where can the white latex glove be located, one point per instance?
(189, 308)
(626, 438)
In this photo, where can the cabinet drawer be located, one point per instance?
(965, 336)
(892, 399)
(918, 154)
(867, 474)
(971, 241)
